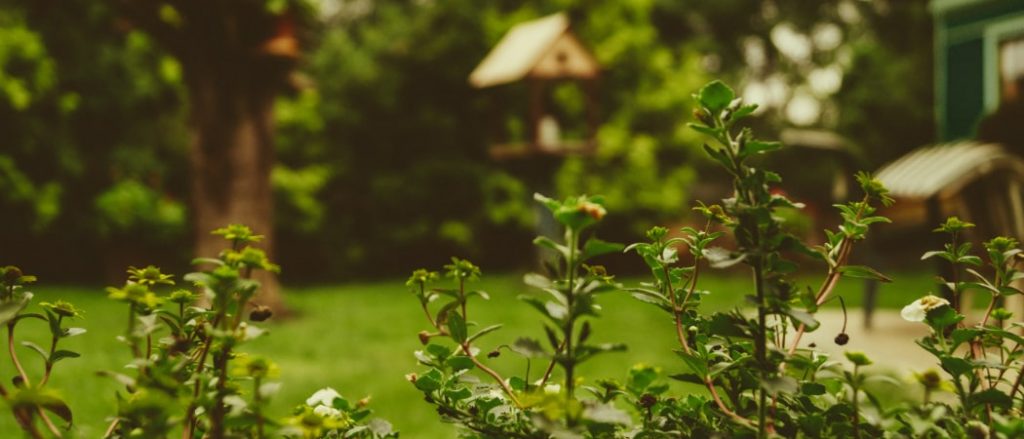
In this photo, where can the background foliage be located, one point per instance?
(383, 154)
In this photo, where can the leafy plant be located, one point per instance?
(759, 381)
(524, 408)
(188, 374)
(983, 360)
(30, 400)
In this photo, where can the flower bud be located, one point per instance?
(411, 377)
(260, 313)
(11, 274)
(842, 339)
(595, 210)
(930, 379)
(424, 337)
(647, 400)
(494, 354)
(977, 430)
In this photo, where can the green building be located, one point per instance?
(979, 61)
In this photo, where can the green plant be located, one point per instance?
(759, 381)
(983, 360)
(524, 408)
(30, 400)
(188, 376)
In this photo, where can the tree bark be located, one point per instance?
(236, 57)
(232, 155)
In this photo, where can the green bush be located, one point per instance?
(189, 376)
(759, 380)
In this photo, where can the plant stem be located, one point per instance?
(497, 377)
(48, 423)
(856, 405)
(830, 282)
(53, 348)
(677, 315)
(761, 348)
(570, 356)
(14, 355)
(257, 400)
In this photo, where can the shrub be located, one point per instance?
(189, 376)
(759, 380)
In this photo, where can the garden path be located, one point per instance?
(889, 342)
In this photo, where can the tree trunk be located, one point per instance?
(232, 155)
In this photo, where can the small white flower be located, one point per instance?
(918, 310)
(323, 396)
(326, 412)
(552, 389)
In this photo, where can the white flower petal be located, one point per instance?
(323, 396)
(326, 412)
(914, 312)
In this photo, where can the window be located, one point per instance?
(1011, 70)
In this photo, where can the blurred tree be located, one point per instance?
(385, 155)
(87, 111)
(236, 56)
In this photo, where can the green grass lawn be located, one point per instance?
(359, 339)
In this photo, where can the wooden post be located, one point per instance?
(536, 111)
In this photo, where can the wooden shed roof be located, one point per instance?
(945, 169)
(539, 48)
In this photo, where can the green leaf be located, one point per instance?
(760, 147)
(805, 318)
(744, 111)
(484, 332)
(529, 348)
(460, 362)
(863, 272)
(71, 332)
(457, 327)
(992, 396)
(543, 241)
(439, 352)
(812, 389)
(537, 281)
(780, 384)
(62, 354)
(694, 363)
(942, 317)
(42, 352)
(9, 310)
(956, 366)
(596, 247)
(715, 96)
(858, 358)
(429, 381)
(962, 335)
(719, 257)
(703, 129)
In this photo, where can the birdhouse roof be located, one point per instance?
(544, 48)
(945, 169)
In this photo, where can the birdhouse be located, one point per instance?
(543, 53)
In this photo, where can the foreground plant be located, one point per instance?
(759, 380)
(532, 404)
(983, 360)
(189, 374)
(29, 399)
